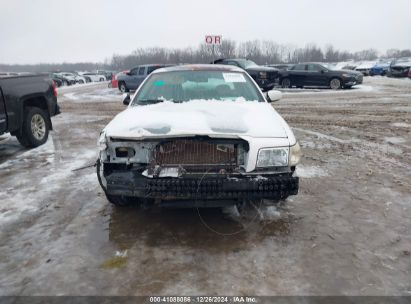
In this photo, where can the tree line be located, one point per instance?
(261, 51)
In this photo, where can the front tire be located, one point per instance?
(35, 130)
(286, 83)
(335, 84)
(122, 87)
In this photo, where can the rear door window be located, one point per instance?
(313, 68)
(299, 67)
(141, 70)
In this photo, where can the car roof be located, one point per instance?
(200, 67)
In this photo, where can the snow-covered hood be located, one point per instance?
(226, 119)
(402, 64)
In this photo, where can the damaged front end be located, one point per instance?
(207, 171)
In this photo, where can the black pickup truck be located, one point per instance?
(26, 105)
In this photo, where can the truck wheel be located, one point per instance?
(286, 83)
(35, 130)
(335, 84)
(122, 87)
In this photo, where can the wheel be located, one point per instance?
(35, 130)
(335, 84)
(286, 83)
(122, 87)
(65, 83)
(81, 81)
(110, 85)
(101, 79)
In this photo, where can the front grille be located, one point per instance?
(272, 75)
(187, 152)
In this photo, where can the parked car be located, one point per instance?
(94, 77)
(26, 105)
(365, 67)
(319, 74)
(7, 74)
(57, 80)
(345, 65)
(198, 135)
(281, 66)
(114, 81)
(65, 81)
(399, 67)
(74, 76)
(380, 68)
(132, 80)
(107, 74)
(265, 77)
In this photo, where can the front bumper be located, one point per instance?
(399, 72)
(353, 80)
(133, 184)
(266, 84)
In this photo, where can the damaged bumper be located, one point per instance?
(133, 184)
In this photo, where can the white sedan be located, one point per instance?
(198, 135)
(95, 77)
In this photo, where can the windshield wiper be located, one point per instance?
(150, 101)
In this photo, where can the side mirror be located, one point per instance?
(324, 71)
(126, 99)
(274, 95)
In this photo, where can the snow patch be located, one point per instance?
(401, 125)
(394, 140)
(310, 171)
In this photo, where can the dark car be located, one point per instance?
(133, 79)
(26, 105)
(265, 77)
(319, 75)
(399, 67)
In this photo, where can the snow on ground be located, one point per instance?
(50, 172)
(310, 171)
(312, 90)
(401, 125)
(104, 95)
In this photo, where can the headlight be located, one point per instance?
(295, 154)
(263, 74)
(102, 141)
(272, 157)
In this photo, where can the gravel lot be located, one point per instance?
(346, 233)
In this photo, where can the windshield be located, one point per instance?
(183, 86)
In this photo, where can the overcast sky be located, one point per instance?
(34, 31)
